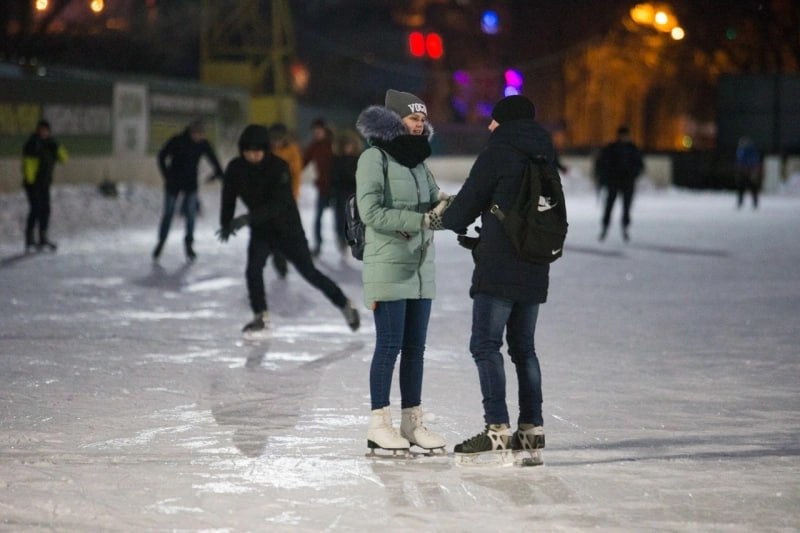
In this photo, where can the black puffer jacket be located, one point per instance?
(495, 178)
(264, 188)
(178, 161)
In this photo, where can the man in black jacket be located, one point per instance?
(618, 166)
(262, 181)
(506, 290)
(178, 161)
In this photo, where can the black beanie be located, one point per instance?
(254, 137)
(513, 107)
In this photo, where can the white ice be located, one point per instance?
(129, 401)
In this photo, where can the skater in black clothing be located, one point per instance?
(343, 181)
(178, 161)
(617, 167)
(506, 289)
(261, 180)
(39, 157)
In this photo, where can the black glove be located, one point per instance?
(224, 233)
(468, 242)
(239, 222)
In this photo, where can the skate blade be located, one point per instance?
(494, 458)
(392, 455)
(528, 458)
(255, 336)
(429, 453)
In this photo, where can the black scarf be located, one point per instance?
(408, 150)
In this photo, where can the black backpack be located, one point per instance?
(537, 222)
(354, 228)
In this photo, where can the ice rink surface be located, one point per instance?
(671, 374)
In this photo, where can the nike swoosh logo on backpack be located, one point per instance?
(554, 252)
(544, 204)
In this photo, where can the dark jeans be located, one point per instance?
(39, 212)
(627, 199)
(401, 327)
(490, 317)
(323, 202)
(747, 181)
(296, 252)
(188, 208)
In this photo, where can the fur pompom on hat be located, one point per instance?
(404, 103)
(513, 107)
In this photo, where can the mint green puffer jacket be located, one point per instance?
(398, 254)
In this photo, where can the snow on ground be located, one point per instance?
(129, 402)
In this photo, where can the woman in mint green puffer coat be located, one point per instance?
(398, 273)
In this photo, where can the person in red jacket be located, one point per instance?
(320, 152)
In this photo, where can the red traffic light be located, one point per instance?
(434, 45)
(425, 45)
(416, 43)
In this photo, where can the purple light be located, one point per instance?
(462, 77)
(509, 91)
(514, 78)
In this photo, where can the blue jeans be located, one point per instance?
(188, 208)
(401, 326)
(490, 316)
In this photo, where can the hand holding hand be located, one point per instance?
(432, 220)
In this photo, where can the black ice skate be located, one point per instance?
(157, 250)
(258, 328)
(190, 255)
(351, 315)
(527, 444)
(490, 447)
(46, 246)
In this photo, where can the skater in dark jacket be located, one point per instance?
(618, 166)
(343, 181)
(506, 290)
(39, 156)
(261, 180)
(178, 161)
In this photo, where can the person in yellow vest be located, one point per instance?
(285, 147)
(39, 157)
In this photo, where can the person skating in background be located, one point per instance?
(506, 290)
(343, 180)
(748, 171)
(40, 154)
(285, 147)
(618, 166)
(398, 271)
(262, 181)
(178, 160)
(320, 152)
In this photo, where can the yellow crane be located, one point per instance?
(250, 44)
